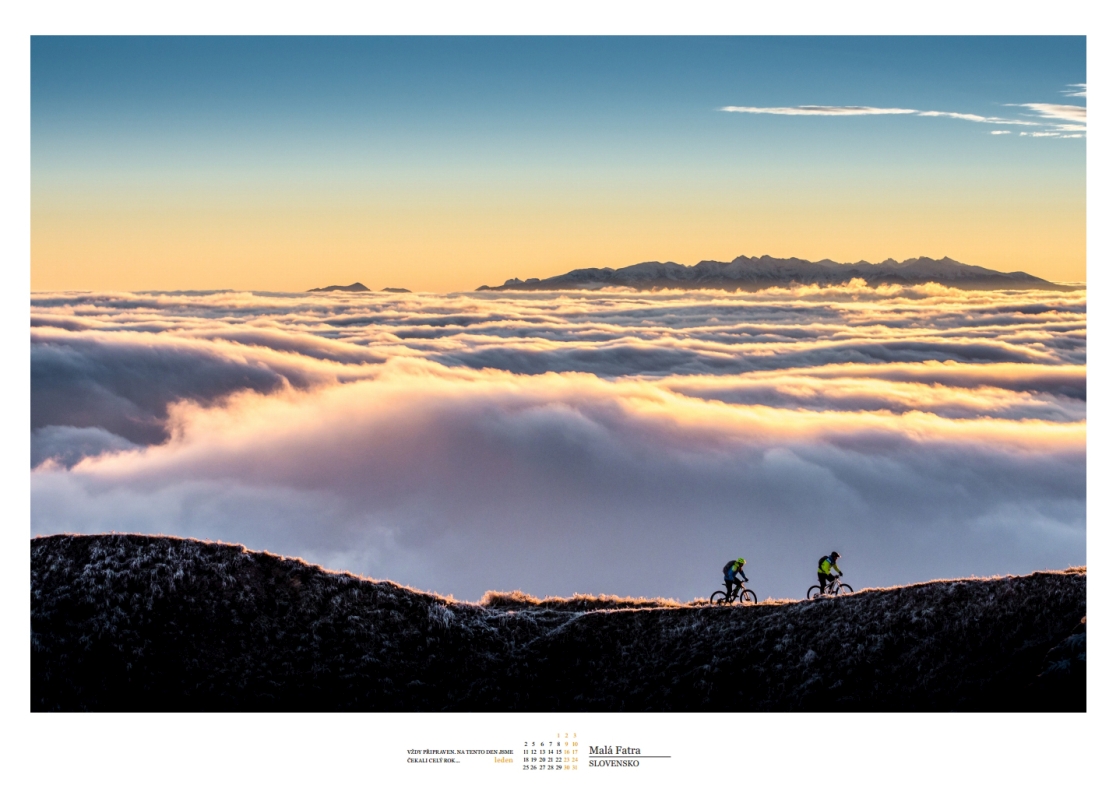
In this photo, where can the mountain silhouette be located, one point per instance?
(750, 274)
(354, 287)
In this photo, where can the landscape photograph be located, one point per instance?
(558, 374)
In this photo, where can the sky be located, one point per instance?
(442, 164)
(608, 442)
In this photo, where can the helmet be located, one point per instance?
(741, 561)
(834, 555)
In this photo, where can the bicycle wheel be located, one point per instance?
(749, 597)
(814, 592)
(844, 588)
(717, 598)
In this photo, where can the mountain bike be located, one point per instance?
(743, 594)
(836, 588)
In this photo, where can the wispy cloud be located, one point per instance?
(858, 110)
(976, 118)
(1062, 112)
(1070, 120)
(1000, 131)
(1075, 116)
(822, 110)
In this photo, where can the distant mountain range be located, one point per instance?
(357, 287)
(750, 274)
(354, 287)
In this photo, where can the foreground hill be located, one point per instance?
(749, 274)
(125, 622)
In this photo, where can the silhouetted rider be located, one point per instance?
(734, 573)
(824, 570)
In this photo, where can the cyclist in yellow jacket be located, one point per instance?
(825, 568)
(734, 570)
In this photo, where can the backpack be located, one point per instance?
(823, 560)
(728, 567)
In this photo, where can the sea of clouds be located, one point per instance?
(606, 442)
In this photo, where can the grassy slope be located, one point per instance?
(123, 622)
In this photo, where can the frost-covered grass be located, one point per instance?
(518, 600)
(127, 622)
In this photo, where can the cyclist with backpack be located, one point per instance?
(825, 568)
(734, 570)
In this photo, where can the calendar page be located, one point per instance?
(461, 395)
(513, 745)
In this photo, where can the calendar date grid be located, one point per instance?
(552, 755)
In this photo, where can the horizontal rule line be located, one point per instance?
(625, 756)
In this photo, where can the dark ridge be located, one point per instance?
(139, 623)
(395, 290)
(752, 274)
(354, 287)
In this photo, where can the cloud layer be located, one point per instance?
(607, 442)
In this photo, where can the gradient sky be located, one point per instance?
(445, 163)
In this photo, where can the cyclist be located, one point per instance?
(734, 570)
(824, 570)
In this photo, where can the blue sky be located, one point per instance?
(411, 134)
